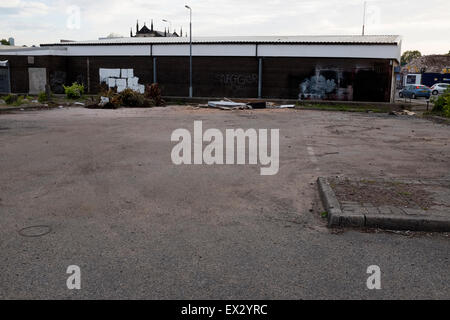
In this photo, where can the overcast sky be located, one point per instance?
(424, 25)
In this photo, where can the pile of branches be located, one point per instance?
(111, 99)
(153, 92)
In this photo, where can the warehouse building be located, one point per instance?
(347, 68)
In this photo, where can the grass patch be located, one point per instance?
(338, 107)
(14, 100)
(437, 113)
(324, 214)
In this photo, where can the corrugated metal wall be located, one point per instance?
(282, 77)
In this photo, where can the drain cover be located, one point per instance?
(35, 231)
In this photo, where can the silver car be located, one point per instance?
(438, 88)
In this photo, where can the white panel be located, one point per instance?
(171, 50)
(108, 73)
(132, 82)
(331, 51)
(111, 82)
(243, 50)
(121, 50)
(266, 50)
(37, 79)
(121, 82)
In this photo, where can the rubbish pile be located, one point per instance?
(227, 104)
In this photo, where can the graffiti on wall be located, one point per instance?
(326, 84)
(237, 81)
(121, 78)
(317, 87)
(57, 80)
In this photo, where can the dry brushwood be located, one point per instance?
(154, 92)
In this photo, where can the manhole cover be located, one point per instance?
(35, 231)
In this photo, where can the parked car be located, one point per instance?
(415, 91)
(439, 88)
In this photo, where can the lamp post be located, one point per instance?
(190, 50)
(170, 23)
(364, 18)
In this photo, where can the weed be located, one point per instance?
(74, 91)
(42, 97)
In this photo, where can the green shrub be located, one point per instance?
(18, 102)
(11, 98)
(42, 97)
(442, 103)
(74, 91)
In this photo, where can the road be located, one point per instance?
(140, 227)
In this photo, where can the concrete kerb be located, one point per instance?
(336, 217)
(26, 108)
(330, 202)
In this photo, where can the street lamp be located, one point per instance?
(170, 23)
(190, 50)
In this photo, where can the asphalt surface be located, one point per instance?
(139, 227)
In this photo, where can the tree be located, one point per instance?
(410, 55)
(5, 42)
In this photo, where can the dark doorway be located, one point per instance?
(4, 80)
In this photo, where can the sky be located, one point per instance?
(424, 25)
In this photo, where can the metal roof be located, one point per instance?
(341, 40)
(8, 47)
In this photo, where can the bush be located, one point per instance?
(43, 97)
(74, 91)
(442, 103)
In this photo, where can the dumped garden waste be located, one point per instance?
(111, 99)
